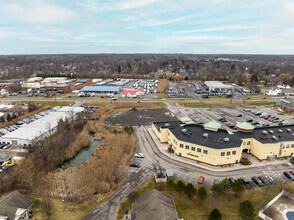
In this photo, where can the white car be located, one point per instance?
(139, 155)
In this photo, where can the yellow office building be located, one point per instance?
(210, 144)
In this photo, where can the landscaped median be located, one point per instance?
(219, 104)
(45, 103)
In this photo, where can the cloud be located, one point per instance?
(42, 13)
(150, 23)
(224, 28)
(117, 5)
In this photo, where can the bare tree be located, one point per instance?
(48, 207)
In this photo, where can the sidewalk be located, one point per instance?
(163, 149)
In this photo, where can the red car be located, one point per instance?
(201, 180)
(276, 118)
(266, 117)
(292, 172)
(228, 124)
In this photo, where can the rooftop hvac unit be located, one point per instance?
(280, 131)
(184, 130)
(226, 139)
(205, 135)
(166, 124)
(264, 132)
(274, 138)
(271, 131)
(289, 129)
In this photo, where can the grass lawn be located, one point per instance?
(43, 103)
(64, 210)
(190, 209)
(219, 104)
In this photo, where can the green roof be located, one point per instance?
(245, 126)
(213, 125)
(185, 119)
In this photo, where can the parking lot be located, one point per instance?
(229, 113)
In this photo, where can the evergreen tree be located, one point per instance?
(215, 215)
(246, 210)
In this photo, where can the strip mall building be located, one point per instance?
(215, 146)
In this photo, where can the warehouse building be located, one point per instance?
(39, 129)
(67, 86)
(212, 145)
(216, 86)
(101, 89)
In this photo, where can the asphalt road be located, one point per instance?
(155, 160)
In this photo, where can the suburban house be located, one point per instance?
(154, 205)
(14, 206)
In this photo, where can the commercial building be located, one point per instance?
(287, 104)
(101, 89)
(216, 86)
(39, 129)
(67, 86)
(212, 145)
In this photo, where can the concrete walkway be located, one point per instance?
(255, 163)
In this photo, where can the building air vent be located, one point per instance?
(264, 132)
(274, 138)
(184, 131)
(289, 129)
(280, 131)
(166, 124)
(205, 135)
(271, 131)
(220, 140)
(226, 139)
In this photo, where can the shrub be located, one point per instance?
(244, 161)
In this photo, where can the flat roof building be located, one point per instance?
(213, 145)
(101, 89)
(39, 129)
(217, 86)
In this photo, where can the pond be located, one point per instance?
(84, 154)
(290, 215)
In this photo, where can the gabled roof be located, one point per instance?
(154, 205)
(125, 92)
(245, 126)
(212, 124)
(10, 203)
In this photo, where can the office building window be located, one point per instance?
(288, 145)
(205, 151)
(181, 146)
(292, 145)
(228, 153)
(222, 154)
(248, 143)
(199, 150)
(193, 148)
(234, 152)
(187, 147)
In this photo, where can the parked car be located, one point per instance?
(244, 181)
(201, 180)
(249, 120)
(231, 179)
(239, 115)
(9, 163)
(264, 180)
(289, 175)
(215, 182)
(134, 164)
(139, 155)
(257, 181)
(270, 179)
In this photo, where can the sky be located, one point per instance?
(147, 26)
